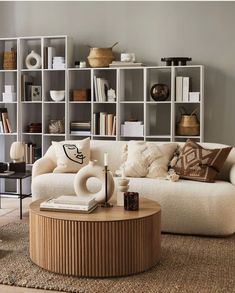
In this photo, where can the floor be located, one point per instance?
(10, 213)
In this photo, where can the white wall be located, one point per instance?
(202, 30)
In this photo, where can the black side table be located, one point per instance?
(20, 195)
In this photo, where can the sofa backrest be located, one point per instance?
(115, 151)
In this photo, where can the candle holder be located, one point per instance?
(106, 204)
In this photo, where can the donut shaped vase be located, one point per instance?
(33, 61)
(93, 170)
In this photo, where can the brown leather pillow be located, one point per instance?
(200, 164)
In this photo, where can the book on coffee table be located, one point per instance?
(70, 205)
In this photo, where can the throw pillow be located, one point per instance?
(146, 159)
(200, 164)
(72, 155)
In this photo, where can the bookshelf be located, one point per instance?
(131, 84)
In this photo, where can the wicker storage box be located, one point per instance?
(81, 95)
(9, 60)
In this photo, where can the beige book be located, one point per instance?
(114, 125)
(9, 125)
(4, 120)
(109, 124)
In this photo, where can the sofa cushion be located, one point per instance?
(189, 206)
(200, 164)
(56, 184)
(146, 159)
(71, 157)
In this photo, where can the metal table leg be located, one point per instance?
(21, 199)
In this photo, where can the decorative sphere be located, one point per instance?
(160, 92)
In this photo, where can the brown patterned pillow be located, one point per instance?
(200, 164)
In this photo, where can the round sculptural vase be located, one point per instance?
(17, 151)
(33, 60)
(159, 92)
(96, 171)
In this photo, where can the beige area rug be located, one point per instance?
(188, 264)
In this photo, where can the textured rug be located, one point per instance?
(188, 264)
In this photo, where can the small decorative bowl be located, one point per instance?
(57, 96)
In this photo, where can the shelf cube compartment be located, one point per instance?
(33, 147)
(8, 57)
(132, 112)
(131, 84)
(54, 80)
(27, 45)
(31, 118)
(79, 85)
(31, 86)
(8, 87)
(54, 47)
(104, 79)
(54, 118)
(79, 113)
(159, 76)
(158, 122)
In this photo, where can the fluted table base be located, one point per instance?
(94, 248)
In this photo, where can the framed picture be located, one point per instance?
(36, 93)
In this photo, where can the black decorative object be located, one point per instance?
(106, 204)
(18, 167)
(131, 201)
(3, 167)
(176, 60)
(160, 92)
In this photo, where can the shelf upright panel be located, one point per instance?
(145, 76)
(118, 89)
(173, 117)
(43, 96)
(202, 103)
(18, 96)
(92, 103)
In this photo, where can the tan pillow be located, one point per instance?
(72, 155)
(146, 159)
(200, 164)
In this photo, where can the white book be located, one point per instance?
(185, 89)
(179, 89)
(133, 122)
(96, 90)
(50, 54)
(50, 204)
(73, 199)
(1, 127)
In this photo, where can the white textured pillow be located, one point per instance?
(71, 155)
(146, 159)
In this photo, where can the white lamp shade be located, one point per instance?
(17, 151)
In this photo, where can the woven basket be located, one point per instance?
(101, 57)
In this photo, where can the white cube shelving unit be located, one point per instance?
(133, 100)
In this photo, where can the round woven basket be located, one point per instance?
(101, 57)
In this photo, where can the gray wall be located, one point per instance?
(203, 30)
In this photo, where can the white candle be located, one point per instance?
(123, 173)
(106, 159)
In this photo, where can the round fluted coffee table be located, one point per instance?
(107, 242)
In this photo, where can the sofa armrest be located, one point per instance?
(232, 174)
(43, 165)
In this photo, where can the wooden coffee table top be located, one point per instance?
(116, 213)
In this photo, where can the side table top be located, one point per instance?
(17, 175)
(116, 213)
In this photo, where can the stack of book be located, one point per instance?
(104, 123)
(31, 152)
(68, 203)
(5, 125)
(101, 89)
(58, 62)
(125, 64)
(132, 128)
(49, 53)
(81, 128)
(182, 88)
(9, 95)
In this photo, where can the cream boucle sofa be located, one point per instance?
(187, 206)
